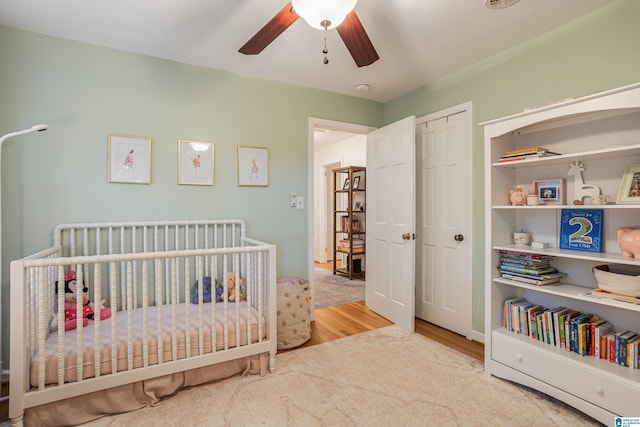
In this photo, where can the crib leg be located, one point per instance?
(18, 421)
(272, 362)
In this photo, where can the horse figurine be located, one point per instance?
(580, 189)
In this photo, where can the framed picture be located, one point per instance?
(129, 159)
(346, 184)
(581, 229)
(253, 166)
(195, 163)
(550, 191)
(356, 182)
(629, 192)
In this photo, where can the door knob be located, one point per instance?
(406, 236)
(458, 237)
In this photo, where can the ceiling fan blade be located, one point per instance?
(357, 41)
(270, 31)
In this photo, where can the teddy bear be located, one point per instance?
(234, 287)
(71, 292)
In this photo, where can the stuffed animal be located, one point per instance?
(234, 287)
(105, 312)
(206, 290)
(71, 294)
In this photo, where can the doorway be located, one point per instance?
(331, 144)
(364, 130)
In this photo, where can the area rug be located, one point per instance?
(333, 289)
(385, 377)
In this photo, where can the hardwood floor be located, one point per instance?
(343, 320)
(348, 319)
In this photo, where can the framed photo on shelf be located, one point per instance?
(253, 166)
(356, 182)
(550, 191)
(629, 192)
(345, 186)
(195, 163)
(129, 159)
(581, 229)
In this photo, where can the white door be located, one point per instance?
(443, 260)
(390, 222)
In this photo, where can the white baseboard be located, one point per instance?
(477, 336)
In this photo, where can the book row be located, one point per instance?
(528, 268)
(352, 226)
(526, 153)
(583, 333)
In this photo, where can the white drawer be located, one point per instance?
(611, 387)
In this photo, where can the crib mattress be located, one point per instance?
(248, 322)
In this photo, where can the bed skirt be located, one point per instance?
(137, 395)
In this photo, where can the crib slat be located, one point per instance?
(160, 303)
(187, 273)
(79, 326)
(130, 307)
(174, 304)
(114, 317)
(236, 271)
(60, 328)
(200, 293)
(145, 313)
(97, 303)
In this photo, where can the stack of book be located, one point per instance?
(357, 244)
(582, 333)
(526, 153)
(528, 268)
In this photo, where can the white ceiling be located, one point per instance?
(417, 40)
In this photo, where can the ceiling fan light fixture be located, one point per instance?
(323, 14)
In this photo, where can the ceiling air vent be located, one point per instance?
(499, 4)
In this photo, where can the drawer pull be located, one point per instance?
(519, 358)
(599, 390)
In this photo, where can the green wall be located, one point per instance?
(86, 92)
(595, 53)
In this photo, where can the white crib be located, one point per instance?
(159, 337)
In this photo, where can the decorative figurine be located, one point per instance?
(518, 197)
(580, 189)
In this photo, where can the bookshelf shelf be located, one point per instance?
(349, 232)
(602, 132)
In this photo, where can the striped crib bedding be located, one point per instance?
(147, 342)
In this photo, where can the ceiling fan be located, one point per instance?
(350, 30)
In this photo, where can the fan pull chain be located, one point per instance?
(325, 24)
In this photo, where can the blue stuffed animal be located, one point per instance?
(206, 291)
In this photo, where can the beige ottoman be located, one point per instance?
(294, 312)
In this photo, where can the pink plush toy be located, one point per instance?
(71, 293)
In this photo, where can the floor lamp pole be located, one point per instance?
(36, 128)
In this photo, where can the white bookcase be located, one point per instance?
(603, 132)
